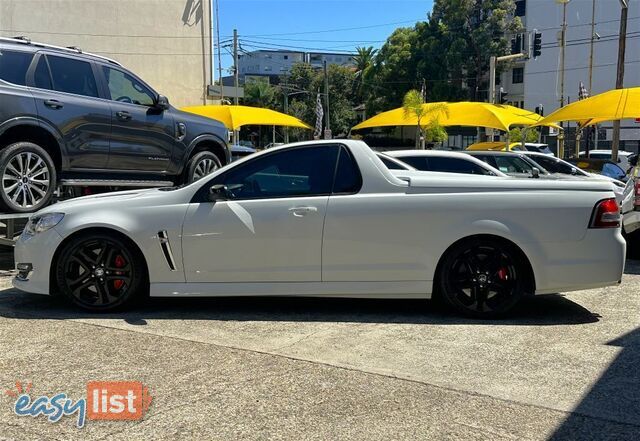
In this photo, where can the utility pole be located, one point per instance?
(615, 138)
(492, 80)
(593, 34)
(236, 79)
(219, 50)
(563, 42)
(327, 127)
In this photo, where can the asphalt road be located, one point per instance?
(563, 367)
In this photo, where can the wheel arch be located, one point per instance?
(530, 273)
(87, 231)
(208, 142)
(37, 132)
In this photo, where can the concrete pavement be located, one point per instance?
(562, 366)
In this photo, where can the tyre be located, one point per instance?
(28, 177)
(482, 278)
(201, 165)
(100, 272)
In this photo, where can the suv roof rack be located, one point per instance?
(21, 39)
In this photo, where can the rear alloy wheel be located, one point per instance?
(201, 165)
(28, 177)
(482, 278)
(100, 273)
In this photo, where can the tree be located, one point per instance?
(259, 93)
(531, 135)
(427, 115)
(364, 60)
(471, 32)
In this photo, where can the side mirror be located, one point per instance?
(219, 192)
(162, 102)
(535, 172)
(574, 171)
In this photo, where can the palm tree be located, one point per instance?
(363, 60)
(259, 93)
(415, 106)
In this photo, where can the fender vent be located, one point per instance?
(163, 237)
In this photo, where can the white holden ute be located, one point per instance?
(327, 218)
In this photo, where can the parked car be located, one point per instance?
(312, 219)
(444, 161)
(602, 167)
(566, 169)
(240, 151)
(514, 164)
(623, 157)
(69, 117)
(392, 163)
(631, 209)
(511, 147)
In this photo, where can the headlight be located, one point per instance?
(40, 223)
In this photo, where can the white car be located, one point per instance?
(445, 161)
(327, 218)
(559, 166)
(623, 157)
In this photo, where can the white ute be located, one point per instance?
(327, 218)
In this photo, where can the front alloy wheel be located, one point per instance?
(99, 273)
(201, 165)
(482, 279)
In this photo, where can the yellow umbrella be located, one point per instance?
(235, 117)
(609, 106)
(474, 114)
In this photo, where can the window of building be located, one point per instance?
(14, 65)
(72, 76)
(517, 75)
(286, 57)
(267, 68)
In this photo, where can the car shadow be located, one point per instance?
(612, 403)
(542, 310)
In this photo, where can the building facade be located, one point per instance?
(166, 43)
(537, 82)
(273, 63)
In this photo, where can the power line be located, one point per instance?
(335, 30)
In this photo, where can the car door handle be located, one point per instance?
(53, 104)
(123, 115)
(302, 211)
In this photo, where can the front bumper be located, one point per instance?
(37, 251)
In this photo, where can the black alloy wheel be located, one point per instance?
(482, 279)
(100, 273)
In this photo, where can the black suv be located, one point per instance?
(77, 119)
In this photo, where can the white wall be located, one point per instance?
(164, 42)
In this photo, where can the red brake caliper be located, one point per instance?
(502, 274)
(120, 263)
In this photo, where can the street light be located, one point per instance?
(286, 105)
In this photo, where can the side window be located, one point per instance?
(305, 171)
(42, 76)
(14, 66)
(72, 76)
(418, 162)
(348, 179)
(391, 165)
(454, 165)
(125, 88)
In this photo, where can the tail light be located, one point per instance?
(636, 200)
(606, 214)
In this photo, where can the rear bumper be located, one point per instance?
(595, 261)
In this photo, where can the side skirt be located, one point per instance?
(371, 290)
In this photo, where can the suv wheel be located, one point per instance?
(28, 177)
(201, 165)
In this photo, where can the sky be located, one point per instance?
(312, 25)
